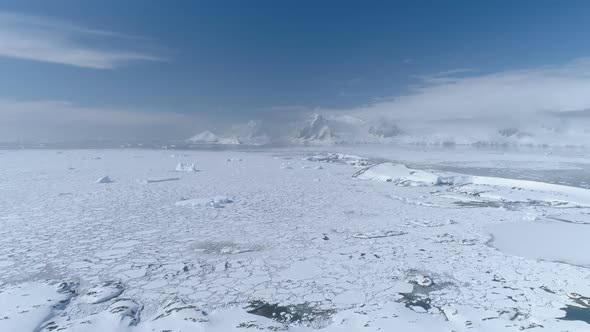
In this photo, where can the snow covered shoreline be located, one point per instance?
(291, 247)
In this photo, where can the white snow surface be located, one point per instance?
(325, 249)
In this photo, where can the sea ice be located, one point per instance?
(439, 251)
(544, 239)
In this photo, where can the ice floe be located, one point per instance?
(216, 202)
(544, 239)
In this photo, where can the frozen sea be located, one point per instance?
(334, 238)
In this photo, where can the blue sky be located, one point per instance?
(259, 59)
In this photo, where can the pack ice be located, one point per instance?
(357, 244)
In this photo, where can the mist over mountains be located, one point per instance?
(542, 129)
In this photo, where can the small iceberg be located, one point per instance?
(104, 179)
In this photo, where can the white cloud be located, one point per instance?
(41, 39)
(507, 94)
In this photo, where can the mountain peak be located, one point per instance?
(317, 130)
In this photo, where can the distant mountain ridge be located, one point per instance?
(207, 137)
(334, 128)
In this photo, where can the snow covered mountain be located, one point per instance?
(316, 131)
(384, 128)
(207, 137)
(336, 128)
(250, 133)
(347, 130)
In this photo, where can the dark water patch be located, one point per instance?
(422, 286)
(413, 300)
(545, 288)
(576, 175)
(508, 205)
(479, 204)
(303, 314)
(573, 312)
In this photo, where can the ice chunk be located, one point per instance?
(186, 167)
(216, 202)
(104, 179)
(422, 280)
(160, 180)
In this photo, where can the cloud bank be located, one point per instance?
(503, 96)
(40, 39)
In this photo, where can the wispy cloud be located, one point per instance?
(48, 40)
(507, 94)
